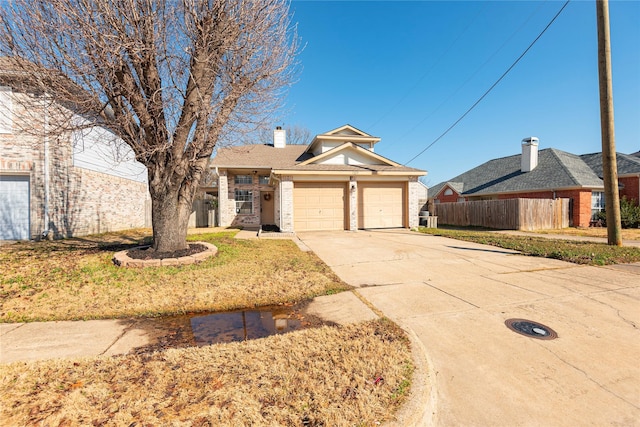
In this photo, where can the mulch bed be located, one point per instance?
(148, 253)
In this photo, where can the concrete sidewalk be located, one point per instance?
(69, 339)
(452, 297)
(455, 297)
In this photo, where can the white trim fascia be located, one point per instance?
(345, 146)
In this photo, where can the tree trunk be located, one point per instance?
(170, 217)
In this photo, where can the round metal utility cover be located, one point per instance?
(531, 329)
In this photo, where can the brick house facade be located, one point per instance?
(63, 185)
(548, 174)
(335, 183)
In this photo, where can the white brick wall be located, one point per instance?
(286, 184)
(353, 204)
(415, 192)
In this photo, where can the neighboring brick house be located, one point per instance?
(546, 174)
(74, 184)
(337, 182)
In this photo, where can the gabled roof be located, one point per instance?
(298, 158)
(349, 146)
(556, 170)
(346, 133)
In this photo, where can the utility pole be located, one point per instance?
(609, 163)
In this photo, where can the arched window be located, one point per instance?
(448, 192)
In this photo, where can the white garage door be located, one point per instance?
(14, 207)
(319, 206)
(381, 205)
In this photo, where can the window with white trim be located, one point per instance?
(243, 179)
(244, 202)
(597, 204)
(448, 192)
(6, 110)
(264, 180)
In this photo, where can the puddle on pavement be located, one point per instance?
(199, 329)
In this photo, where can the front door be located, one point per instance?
(266, 208)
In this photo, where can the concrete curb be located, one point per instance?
(421, 407)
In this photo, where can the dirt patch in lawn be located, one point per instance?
(330, 376)
(145, 252)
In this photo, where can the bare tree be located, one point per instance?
(171, 78)
(296, 135)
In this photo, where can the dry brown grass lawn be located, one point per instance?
(316, 377)
(76, 279)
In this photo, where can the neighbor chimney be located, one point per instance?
(529, 159)
(279, 137)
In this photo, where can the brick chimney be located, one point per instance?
(529, 159)
(279, 137)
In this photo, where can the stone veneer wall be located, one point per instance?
(414, 206)
(227, 202)
(286, 219)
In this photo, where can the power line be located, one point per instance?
(455, 92)
(435, 64)
(492, 86)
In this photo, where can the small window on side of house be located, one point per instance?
(448, 192)
(243, 179)
(597, 204)
(6, 110)
(264, 180)
(244, 202)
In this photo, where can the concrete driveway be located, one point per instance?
(455, 296)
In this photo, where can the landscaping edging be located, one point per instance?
(121, 259)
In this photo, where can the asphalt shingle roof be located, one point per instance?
(556, 169)
(260, 156)
(627, 163)
(288, 157)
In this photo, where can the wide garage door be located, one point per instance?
(319, 206)
(381, 205)
(14, 207)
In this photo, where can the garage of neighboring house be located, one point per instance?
(319, 206)
(381, 204)
(14, 207)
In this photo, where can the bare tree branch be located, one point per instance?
(171, 78)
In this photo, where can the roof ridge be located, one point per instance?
(569, 172)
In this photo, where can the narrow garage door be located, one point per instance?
(381, 205)
(319, 206)
(14, 207)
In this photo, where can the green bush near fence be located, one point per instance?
(629, 214)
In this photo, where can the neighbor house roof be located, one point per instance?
(556, 170)
(626, 163)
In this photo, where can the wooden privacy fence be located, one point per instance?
(507, 214)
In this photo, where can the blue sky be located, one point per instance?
(406, 71)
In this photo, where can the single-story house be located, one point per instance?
(337, 182)
(546, 174)
(60, 185)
